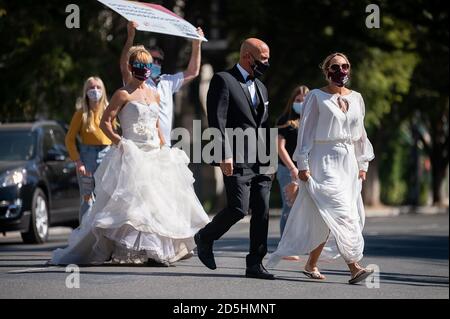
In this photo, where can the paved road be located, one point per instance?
(411, 252)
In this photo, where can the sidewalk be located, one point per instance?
(389, 211)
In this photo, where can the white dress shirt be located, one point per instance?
(168, 85)
(250, 84)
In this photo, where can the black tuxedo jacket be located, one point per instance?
(229, 106)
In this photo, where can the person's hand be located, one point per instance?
(362, 175)
(165, 147)
(201, 34)
(131, 28)
(119, 145)
(294, 173)
(304, 175)
(81, 168)
(227, 167)
(290, 192)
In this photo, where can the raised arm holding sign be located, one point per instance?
(167, 84)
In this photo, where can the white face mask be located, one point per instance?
(94, 94)
(298, 107)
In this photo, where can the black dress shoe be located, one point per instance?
(204, 252)
(258, 272)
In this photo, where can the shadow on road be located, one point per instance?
(407, 246)
(403, 278)
(399, 246)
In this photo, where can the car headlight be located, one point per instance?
(15, 177)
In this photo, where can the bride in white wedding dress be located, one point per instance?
(146, 207)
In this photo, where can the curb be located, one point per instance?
(389, 211)
(405, 210)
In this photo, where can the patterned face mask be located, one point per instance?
(339, 78)
(141, 71)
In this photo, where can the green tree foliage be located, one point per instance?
(43, 64)
(401, 69)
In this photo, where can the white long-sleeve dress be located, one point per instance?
(334, 147)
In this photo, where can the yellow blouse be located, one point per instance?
(96, 137)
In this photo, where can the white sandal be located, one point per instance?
(315, 274)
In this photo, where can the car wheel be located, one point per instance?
(39, 221)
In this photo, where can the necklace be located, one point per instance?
(145, 98)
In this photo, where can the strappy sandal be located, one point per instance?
(315, 274)
(360, 276)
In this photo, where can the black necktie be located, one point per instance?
(257, 101)
(250, 78)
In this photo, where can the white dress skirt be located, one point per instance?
(334, 147)
(145, 207)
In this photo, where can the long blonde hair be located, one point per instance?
(292, 118)
(83, 104)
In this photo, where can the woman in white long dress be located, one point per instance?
(146, 207)
(332, 154)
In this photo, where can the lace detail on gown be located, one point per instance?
(146, 206)
(139, 121)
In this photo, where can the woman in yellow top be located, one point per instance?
(94, 143)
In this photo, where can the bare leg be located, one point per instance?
(291, 258)
(311, 265)
(354, 268)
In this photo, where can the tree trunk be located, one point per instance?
(371, 187)
(439, 151)
(438, 171)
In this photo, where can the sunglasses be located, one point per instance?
(142, 65)
(338, 67)
(158, 60)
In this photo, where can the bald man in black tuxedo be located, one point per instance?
(237, 99)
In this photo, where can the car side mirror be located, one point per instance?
(55, 155)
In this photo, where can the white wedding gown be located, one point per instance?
(333, 146)
(145, 207)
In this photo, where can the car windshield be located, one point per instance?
(16, 145)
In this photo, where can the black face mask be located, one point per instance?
(259, 68)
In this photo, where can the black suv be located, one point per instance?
(38, 181)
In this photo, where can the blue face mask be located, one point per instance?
(298, 107)
(156, 71)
